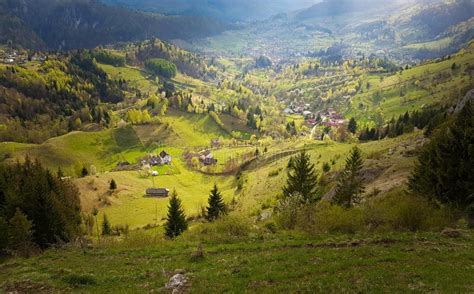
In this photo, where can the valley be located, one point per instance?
(322, 148)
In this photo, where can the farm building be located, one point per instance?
(162, 159)
(207, 158)
(157, 192)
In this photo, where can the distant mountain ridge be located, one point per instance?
(225, 10)
(69, 24)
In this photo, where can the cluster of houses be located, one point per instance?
(15, 57)
(302, 108)
(156, 160)
(205, 157)
(329, 118)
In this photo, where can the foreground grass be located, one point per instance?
(424, 262)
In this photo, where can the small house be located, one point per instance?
(157, 192)
(207, 158)
(165, 157)
(155, 160)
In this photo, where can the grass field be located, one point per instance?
(265, 263)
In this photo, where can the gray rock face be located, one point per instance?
(469, 97)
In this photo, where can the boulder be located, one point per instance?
(177, 282)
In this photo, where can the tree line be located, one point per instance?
(37, 208)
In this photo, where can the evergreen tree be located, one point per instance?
(113, 185)
(216, 206)
(302, 178)
(176, 220)
(352, 126)
(84, 172)
(20, 233)
(445, 166)
(326, 167)
(106, 227)
(51, 204)
(350, 184)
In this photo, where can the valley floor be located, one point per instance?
(269, 263)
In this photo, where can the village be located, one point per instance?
(12, 56)
(328, 118)
(146, 166)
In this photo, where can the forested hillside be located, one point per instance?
(322, 150)
(58, 24)
(225, 10)
(53, 97)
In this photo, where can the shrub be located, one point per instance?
(327, 218)
(395, 211)
(106, 227)
(287, 211)
(404, 212)
(225, 229)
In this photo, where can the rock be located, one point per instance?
(460, 105)
(176, 282)
(391, 151)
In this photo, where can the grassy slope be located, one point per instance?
(415, 97)
(128, 206)
(272, 263)
(264, 183)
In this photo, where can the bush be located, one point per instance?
(327, 218)
(287, 211)
(225, 229)
(395, 211)
(404, 212)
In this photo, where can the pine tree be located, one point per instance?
(352, 126)
(176, 219)
(350, 184)
(106, 227)
(84, 172)
(216, 206)
(20, 233)
(445, 166)
(113, 185)
(302, 178)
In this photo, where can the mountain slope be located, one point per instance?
(66, 24)
(226, 10)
